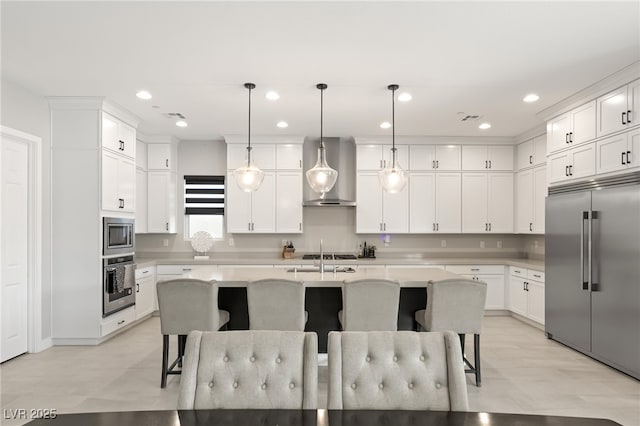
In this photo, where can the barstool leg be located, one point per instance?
(476, 355)
(165, 360)
(462, 339)
(181, 344)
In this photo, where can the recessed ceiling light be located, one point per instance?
(484, 126)
(272, 96)
(143, 94)
(405, 97)
(531, 97)
(181, 123)
(282, 124)
(385, 125)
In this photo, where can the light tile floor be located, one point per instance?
(523, 372)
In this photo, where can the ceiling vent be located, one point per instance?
(174, 115)
(469, 117)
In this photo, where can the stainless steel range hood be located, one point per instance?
(341, 155)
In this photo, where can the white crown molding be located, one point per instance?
(599, 88)
(262, 139)
(539, 130)
(170, 139)
(436, 140)
(79, 103)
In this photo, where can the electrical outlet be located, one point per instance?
(481, 244)
(232, 242)
(499, 244)
(165, 243)
(443, 243)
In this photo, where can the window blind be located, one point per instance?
(204, 195)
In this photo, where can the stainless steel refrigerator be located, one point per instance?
(592, 267)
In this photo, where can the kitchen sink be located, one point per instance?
(327, 268)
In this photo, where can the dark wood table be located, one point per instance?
(312, 418)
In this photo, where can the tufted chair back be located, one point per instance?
(455, 304)
(188, 304)
(370, 305)
(401, 370)
(250, 370)
(276, 304)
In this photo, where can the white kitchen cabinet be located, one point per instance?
(146, 298)
(576, 163)
(379, 211)
(141, 201)
(161, 202)
(531, 189)
(539, 199)
(434, 202)
(434, 157)
(487, 202)
(531, 153)
(118, 182)
(263, 156)
(618, 109)
(289, 202)
(117, 136)
(517, 296)
(618, 152)
(251, 212)
(162, 157)
(376, 157)
(289, 157)
(117, 321)
(448, 202)
(526, 293)
(141, 155)
(572, 128)
(493, 275)
(481, 157)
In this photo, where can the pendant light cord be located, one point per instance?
(393, 88)
(249, 132)
(321, 117)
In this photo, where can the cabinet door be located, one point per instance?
(611, 153)
(159, 156)
(368, 204)
(524, 155)
(517, 296)
(633, 103)
(161, 204)
(448, 157)
(110, 133)
(500, 202)
(145, 288)
(237, 206)
(495, 291)
(141, 155)
(369, 157)
(583, 123)
(500, 158)
(395, 211)
(289, 202)
(535, 301)
(422, 157)
(633, 156)
(422, 199)
(141, 201)
(127, 184)
(474, 157)
(557, 167)
(539, 198)
(474, 203)
(558, 133)
(448, 202)
(540, 150)
(611, 108)
(263, 205)
(584, 161)
(289, 157)
(524, 202)
(128, 139)
(263, 156)
(110, 195)
(402, 155)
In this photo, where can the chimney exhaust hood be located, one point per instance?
(341, 155)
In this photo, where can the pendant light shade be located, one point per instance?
(248, 176)
(321, 177)
(393, 178)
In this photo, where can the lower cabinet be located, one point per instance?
(493, 275)
(526, 293)
(146, 298)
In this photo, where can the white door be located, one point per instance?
(633, 154)
(584, 161)
(14, 248)
(524, 155)
(500, 202)
(289, 202)
(612, 111)
(448, 157)
(368, 204)
(237, 206)
(539, 198)
(500, 158)
(159, 156)
(448, 202)
(128, 139)
(110, 133)
(558, 133)
(517, 296)
(395, 211)
(535, 301)
(633, 103)
(474, 203)
(524, 202)
(612, 153)
(127, 184)
(422, 157)
(145, 300)
(558, 167)
(495, 291)
(263, 205)
(422, 198)
(540, 150)
(583, 123)
(474, 157)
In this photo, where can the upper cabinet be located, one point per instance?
(573, 164)
(531, 153)
(487, 202)
(162, 157)
(489, 158)
(377, 157)
(618, 109)
(572, 128)
(263, 156)
(379, 211)
(289, 157)
(118, 183)
(434, 157)
(618, 152)
(117, 136)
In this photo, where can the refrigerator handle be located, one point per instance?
(585, 284)
(590, 222)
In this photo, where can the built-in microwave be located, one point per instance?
(118, 236)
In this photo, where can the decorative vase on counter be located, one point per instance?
(201, 242)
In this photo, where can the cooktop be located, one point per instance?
(329, 256)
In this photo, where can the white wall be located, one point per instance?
(28, 112)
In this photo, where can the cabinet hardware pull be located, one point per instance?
(566, 137)
(434, 226)
(531, 159)
(623, 162)
(629, 117)
(167, 226)
(437, 164)
(486, 226)
(486, 164)
(537, 276)
(530, 226)
(120, 322)
(489, 163)
(524, 286)
(300, 225)
(566, 170)
(628, 157)
(437, 226)
(489, 226)
(475, 269)
(571, 170)
(570, 137)
(186, 269)
(385, 227)
(623, 118)
(517, 272)
(145, 272)
(137, 288)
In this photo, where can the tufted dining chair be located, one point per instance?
(276, 304)
(259, 369)
(457, 305)
(369, 305)
(186, 304)
(396, 370)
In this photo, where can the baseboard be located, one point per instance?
(496, 313)
(528, 321)
(43, 344)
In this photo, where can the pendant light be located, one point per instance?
(392, 178)
(321, 177)
(248, 176)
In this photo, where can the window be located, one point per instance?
(204, 205)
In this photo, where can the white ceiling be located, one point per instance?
(472, 57)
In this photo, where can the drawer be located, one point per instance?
(535, 275)
(518, 272)
(149, 271)
(173, 269)
(415, 266)
(476, 269)
(117, 321)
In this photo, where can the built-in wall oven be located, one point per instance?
(118, 236)
(118, 284)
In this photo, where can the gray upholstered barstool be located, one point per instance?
(276, 304)
(396, 370)
(186, 305)
(369, 305)
(254, 369)
(457, 305)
